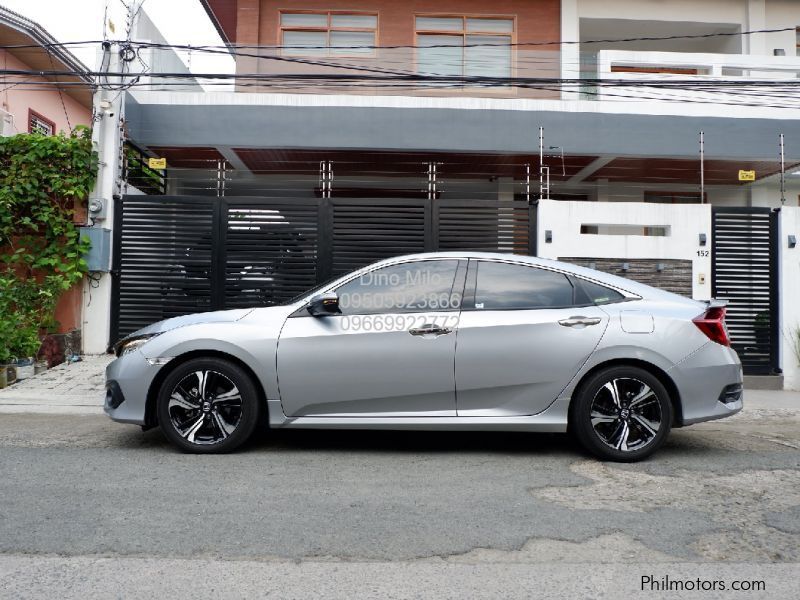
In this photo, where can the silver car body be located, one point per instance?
(500, 369)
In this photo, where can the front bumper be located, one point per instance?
(706, 378)
(128, 380)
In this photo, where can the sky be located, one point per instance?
(180, 21)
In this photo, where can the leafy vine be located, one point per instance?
(42, 179)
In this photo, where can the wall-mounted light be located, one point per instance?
(792, 241)
(703, 239)
(626, 267)
(659, 267)
(548, 236)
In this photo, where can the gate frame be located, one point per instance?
(774, 273)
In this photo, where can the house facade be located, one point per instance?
(653, 139)
(34, 104)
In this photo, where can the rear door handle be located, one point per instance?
(430, 329)
(579, 321)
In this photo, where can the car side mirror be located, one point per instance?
(324, 305)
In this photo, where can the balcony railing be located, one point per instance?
(680, 77)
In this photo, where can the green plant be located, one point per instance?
(42, 178)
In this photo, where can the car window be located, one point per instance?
(588, 292)
(503, 286)
(410, 287)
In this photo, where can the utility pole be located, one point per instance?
(702, 167)
(108, 108)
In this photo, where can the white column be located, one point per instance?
(756, 43)
(106, 138)
(788, 292)
(570, 53)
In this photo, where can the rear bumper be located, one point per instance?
(706, 378)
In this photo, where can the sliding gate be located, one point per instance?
(744, 266)
(176, 255)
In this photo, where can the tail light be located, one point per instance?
(712, 323)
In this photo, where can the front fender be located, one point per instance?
(256, 347)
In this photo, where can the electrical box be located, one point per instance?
(98, 257)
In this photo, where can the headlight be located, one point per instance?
(128, 345)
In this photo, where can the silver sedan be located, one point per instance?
(448, 340)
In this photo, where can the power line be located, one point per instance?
(414, 46)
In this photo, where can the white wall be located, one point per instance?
(789, 305)
(686, 222)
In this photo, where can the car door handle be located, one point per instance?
(575, 321)
(430, 329)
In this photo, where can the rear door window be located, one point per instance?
(505, 286)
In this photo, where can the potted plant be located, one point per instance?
(5, 366)
(761, 326)
(25, 345)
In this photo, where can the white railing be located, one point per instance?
(712, 69)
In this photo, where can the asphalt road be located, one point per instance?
(88, 507)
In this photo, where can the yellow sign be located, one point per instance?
(157, 163)
(747, 175)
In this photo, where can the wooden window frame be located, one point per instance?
(327, 30)
(463, 33)
(41, 117)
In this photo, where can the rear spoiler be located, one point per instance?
(713, 303)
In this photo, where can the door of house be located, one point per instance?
(745, 273)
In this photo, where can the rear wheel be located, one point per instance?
(621, 413)
(208, 405)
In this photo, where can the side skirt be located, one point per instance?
(553, 419)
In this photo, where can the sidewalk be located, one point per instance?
(69, 388)
(79, 388)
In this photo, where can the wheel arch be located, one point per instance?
(657, 372)
(150, 412)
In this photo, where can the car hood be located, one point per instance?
(218, 316)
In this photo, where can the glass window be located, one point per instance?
(328, 34)
(588, 292)
(490, 25)
(487, 56)
(305, 43)
(354, 21)
(304, 20)
(481, 47)
(352, 42)
(439, 24)
(440, 55)
(407, 288)
(505, 286)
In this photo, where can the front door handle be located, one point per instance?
(579, 321)
(430, 329)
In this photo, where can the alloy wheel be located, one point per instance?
(626, 414)
(205, 407)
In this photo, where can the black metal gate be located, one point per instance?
(744, 272)
(175, 255)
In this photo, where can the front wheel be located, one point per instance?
(622, 414)
(208, 406)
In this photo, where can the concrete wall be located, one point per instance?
(686, 222)
(790, 297)
(17, 101)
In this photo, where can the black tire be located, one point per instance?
(630, 429)
(215, 422)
